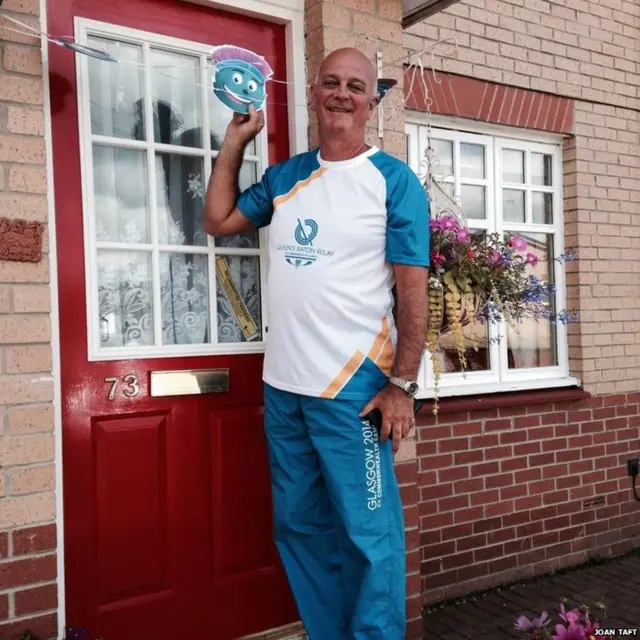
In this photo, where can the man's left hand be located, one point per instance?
(396, 408)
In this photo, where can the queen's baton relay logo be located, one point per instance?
(304, 253)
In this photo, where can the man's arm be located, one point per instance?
(221, 216)
(411, 323)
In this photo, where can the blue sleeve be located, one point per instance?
(256, 202)
(408, 236)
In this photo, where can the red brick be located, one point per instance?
(501, 535)
(498, 425)
(499, 509)
(457, 560)
(530, 502)
(540, 459)
(436, 522)
(459, 531)
(451, 504)
(469, 457)
(482, 442)
(467, 428)
(485, 469)
(40, 627)
(540, 433)
(4, 606)
(511, 437)
(436, 491)
(35, 600)
(406, 472)
(554, 444)
(523, 422)
(517, 463)
(4, 545)
(414, 629)
(472, 542)
(592, 427)
(515, 491)
(499, 480)
(558, 417)
(34, 540)
(454, 474)
(19, 573)
(409, 494)
(608, 412)
(581, 415)
(473, 571)
(489, 553)
(466, 515)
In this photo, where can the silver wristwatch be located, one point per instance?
(408, 386)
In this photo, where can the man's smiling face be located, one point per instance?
(344, 95)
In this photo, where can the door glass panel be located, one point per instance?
(120, 195)
(155, 264)
(471, 160)
(248, 239)
(115, 91)
(180, 199)
(184, 298)
(513, 205)
(239, 304)
(125, 299)
(177, 111)
(532, 342)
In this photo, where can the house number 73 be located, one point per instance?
(132, 388)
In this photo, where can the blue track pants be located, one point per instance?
(338, 517)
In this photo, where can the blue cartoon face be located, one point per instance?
(237, 84)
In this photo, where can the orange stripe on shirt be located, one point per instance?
(344, 376)
(299, 185)
(379, 342)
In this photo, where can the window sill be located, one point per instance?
(468, 403)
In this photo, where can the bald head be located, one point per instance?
(351, 60)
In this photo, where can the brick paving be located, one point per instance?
(491, 615)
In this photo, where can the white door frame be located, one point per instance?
(287, 12)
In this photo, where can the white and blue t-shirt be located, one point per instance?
(335, 230)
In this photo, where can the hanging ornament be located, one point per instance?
(239, 77)
(93, 52)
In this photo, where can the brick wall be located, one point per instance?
(504, 492)
(28, 590)
(508, 493)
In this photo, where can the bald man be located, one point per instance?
(348, 224)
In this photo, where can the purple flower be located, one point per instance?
(518, 243)
(532, 259)
(572, 632)
(571, 617)
(463, 236)
(524, 624)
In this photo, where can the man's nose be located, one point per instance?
(342, 91)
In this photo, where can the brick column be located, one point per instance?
(373, 26)
(28, 565)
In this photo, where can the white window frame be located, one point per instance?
(494, 138)
(85, 28)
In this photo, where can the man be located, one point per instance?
(347, 223)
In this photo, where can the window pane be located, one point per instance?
(513, 166)
(115, 90)
(541, 165)
(175, 86)
(473, 201)
(238, 292)
(180, 199)
(542, 207)
(120, 195)
(248, 239)
(184, 296)
(443, 163)
(532, 343)
(125, 298)
(471, 160)
(513, 205)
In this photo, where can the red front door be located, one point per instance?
(167, 512)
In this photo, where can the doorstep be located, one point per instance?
(293, 631)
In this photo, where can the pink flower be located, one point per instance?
(572, 632)
(518, 243)
(437, 258)
(495, 258)
(532, 259)
(463, 236)
(449, 223)
(470, 254)
(571, 617)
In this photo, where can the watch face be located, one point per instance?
(413, 388)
